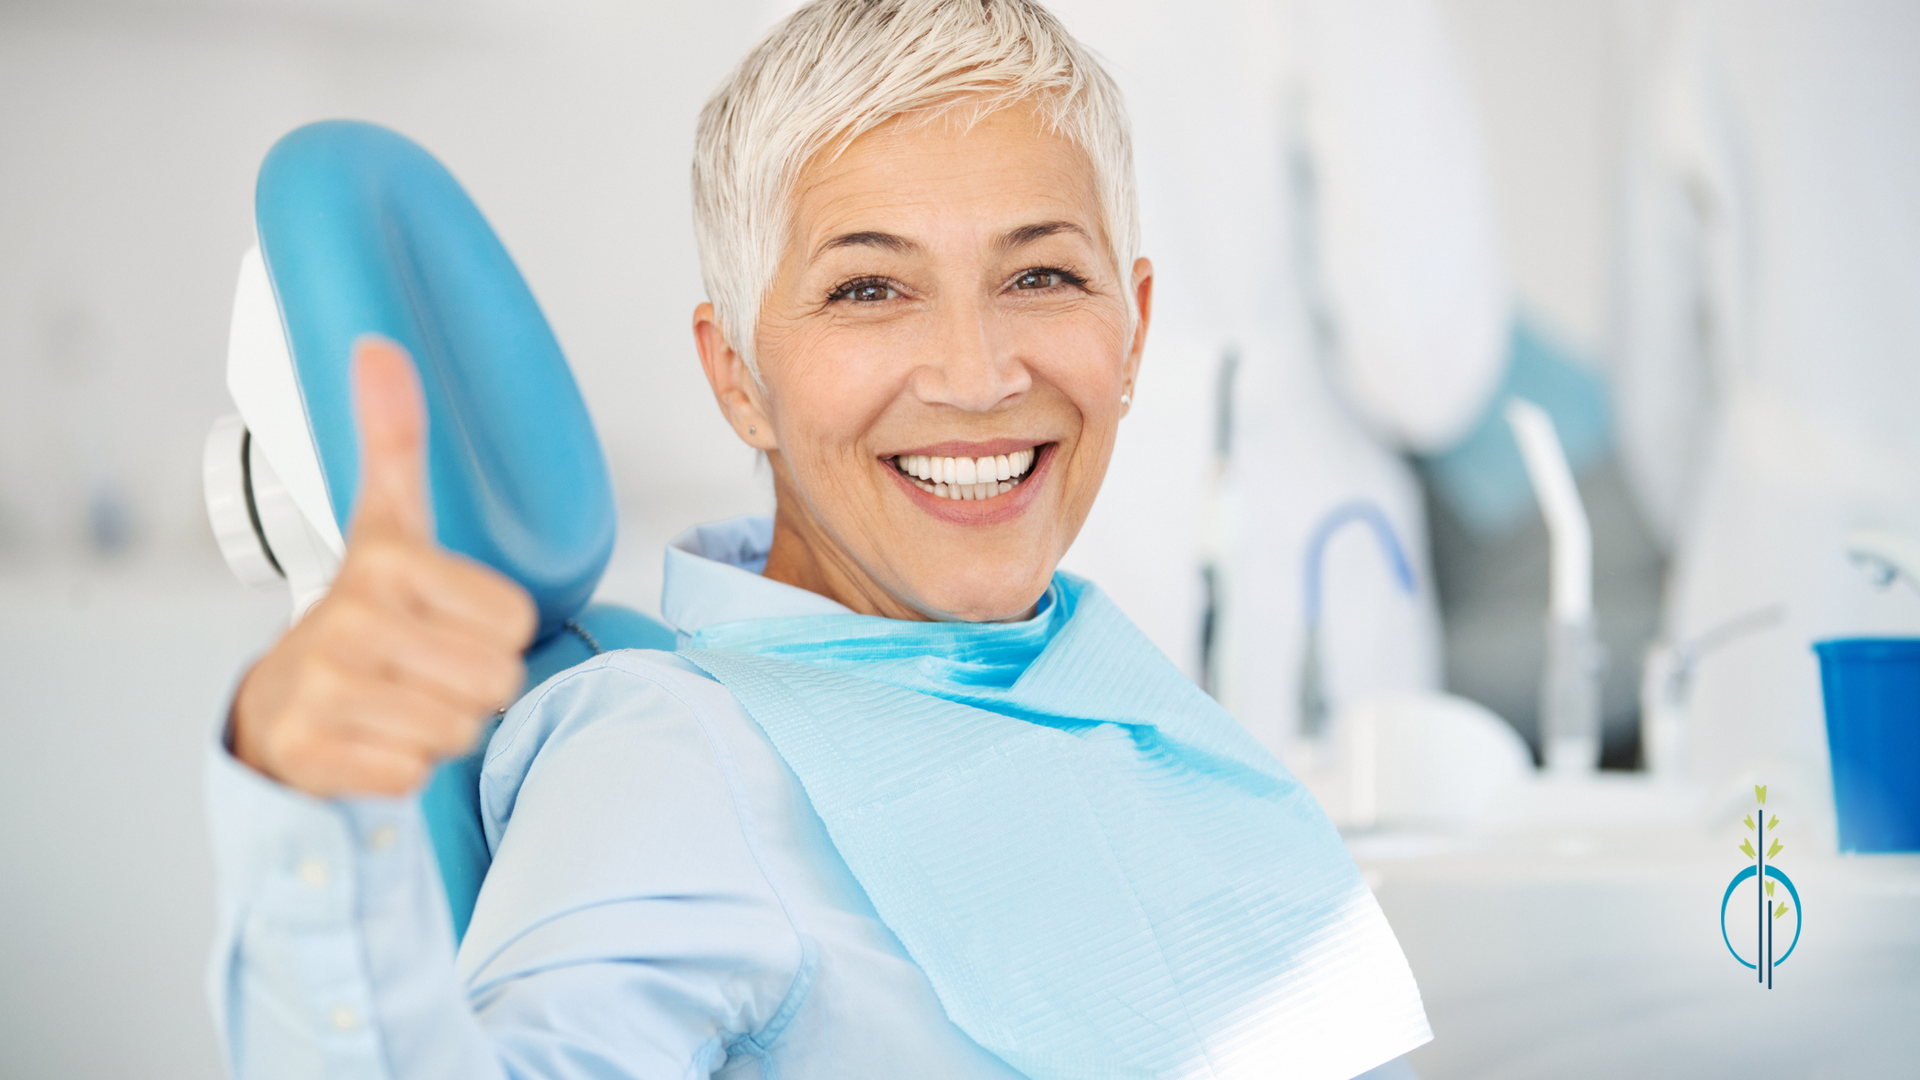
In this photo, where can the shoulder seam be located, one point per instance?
(598, 662)
(497, 750)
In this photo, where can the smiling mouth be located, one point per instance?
(967, 478)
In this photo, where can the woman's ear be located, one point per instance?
(1143, 306)
(734, 386)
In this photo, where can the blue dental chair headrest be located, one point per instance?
(362, 231)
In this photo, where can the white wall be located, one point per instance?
(130, 136)
(112, 686)
(1549, 79)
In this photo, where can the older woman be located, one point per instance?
(906, 802)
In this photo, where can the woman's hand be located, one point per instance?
(412, 649)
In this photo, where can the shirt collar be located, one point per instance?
(713, 576)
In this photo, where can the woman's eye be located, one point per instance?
(1043, 278)
(866, 292)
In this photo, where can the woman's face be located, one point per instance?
(942, 356)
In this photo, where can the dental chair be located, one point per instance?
(362, 231)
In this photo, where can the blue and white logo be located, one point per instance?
(1764, 875)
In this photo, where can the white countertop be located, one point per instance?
(1580, 937)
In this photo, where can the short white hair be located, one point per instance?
(836, 69)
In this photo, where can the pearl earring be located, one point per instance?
(1126, 399)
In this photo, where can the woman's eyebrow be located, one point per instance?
(870, 238)
(1014, 238)
(1027, 234)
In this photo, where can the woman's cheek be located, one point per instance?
(822, 426)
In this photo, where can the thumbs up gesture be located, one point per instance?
(412, 649)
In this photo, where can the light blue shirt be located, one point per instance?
(663, 900)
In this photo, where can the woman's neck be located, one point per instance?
(804, 556)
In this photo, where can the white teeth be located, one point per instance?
(966, 478)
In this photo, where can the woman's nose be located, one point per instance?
(975, 363)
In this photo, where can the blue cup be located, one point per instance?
(1872, 692)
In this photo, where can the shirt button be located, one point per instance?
(382, 837)
(343, 1019)
(313, 872)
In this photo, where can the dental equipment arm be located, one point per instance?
(1214, 528)
(1568, 533)
(1570, 683)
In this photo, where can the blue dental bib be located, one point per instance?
(1100, 872)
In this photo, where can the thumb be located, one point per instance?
(393, 438)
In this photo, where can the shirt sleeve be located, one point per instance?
(625, 928)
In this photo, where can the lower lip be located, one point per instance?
(992, 511)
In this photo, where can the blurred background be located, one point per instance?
(1688, 232)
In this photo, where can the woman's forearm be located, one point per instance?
(334, 956)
